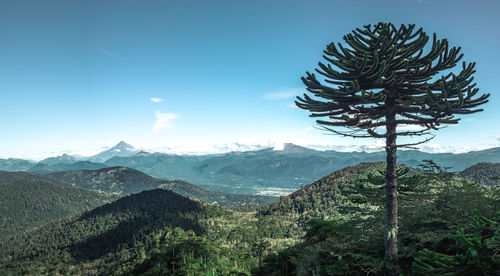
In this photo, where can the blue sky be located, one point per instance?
(202, 76)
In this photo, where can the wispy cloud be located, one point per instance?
(164, 121)
(410, 127)
(156, 100)
(109, 53)
(286, 93)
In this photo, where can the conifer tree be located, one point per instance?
(385, 78)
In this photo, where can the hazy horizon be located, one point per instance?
(237, 147)
(79, 76)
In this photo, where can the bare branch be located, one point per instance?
(412, 145)
(345, 133)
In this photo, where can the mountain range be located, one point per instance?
(264, 172)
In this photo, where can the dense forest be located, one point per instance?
(440, 215)
(28, 201)
(484, 173)
(331, 227)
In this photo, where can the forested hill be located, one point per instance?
(98, 241)
(323, 195)
(484, 173)
(28, 200)
(322, 198)
(125, 181)
(119, 180)
(333, 226)
(342, 216)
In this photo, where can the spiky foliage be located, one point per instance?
(479, 256)
(382, 63)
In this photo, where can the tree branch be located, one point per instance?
(412, 145)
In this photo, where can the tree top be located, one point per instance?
(382, 69)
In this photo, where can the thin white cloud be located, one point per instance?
(410, 128)
(156, 100)
(109, 53)
(282, 94)
(164, 121)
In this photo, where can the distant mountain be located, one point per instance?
(42, 168)
(292, 148)
(264, 172)
(276, 172)
(125, 181)
(63, 159)
(121, 149)
(28, 200)
(13, 164)
(484, 173)
(456, 162)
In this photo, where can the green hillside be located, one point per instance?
(28, 200)
(333, 226)
(341, 217)
(484, 173)
(153, 229)
(125, 181)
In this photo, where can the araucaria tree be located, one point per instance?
(384, 83)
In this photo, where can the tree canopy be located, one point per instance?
(383, 65)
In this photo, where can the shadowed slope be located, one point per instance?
(28, 200)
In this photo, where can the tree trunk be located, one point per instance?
(391, 228)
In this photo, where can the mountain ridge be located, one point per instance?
(125, 181)
(266, 171)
